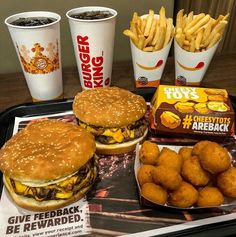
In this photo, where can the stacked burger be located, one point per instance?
(48, 164)
(114, 116)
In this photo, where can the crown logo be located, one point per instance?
(39, 60)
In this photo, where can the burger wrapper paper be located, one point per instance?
(72, 220)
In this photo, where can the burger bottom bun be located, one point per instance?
(119, 148)
(33, 205)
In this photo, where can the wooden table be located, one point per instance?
(220, 74)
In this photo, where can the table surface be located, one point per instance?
(220, 74)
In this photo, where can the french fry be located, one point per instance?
(151, 33)
(189, 19)
(141, 41)
(194, 21)
(162, 17)
(218, 28)
(131, 34)
(161, 39)
(200, 23)
(192, 45)
(143, 24)
(207, 30)
(148, 49)
(149, 22)
(215, 39)
(179, 19)
(157, 33)
(168, 31)
(199, 39)
(180, 40)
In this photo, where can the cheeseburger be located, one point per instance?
(114, 116)
(48, 165)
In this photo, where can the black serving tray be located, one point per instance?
(226, 228)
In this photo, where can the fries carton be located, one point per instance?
(190, 67)
(148, 66)
(192, 110)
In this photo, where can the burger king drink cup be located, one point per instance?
(190, 67)
(93, 31)
(36, 37)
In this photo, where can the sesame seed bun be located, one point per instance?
(48, 165)
(46, 150)
(109, 107)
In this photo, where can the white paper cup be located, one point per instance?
(93, 42)
(190, 67)
(39, 52)
(148, 66)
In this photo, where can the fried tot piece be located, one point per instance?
(214, 158)
(198, 147)
(210, 197)
(185, 152)
(194, 173)
(145, 174)
(185, 196)
(149, 153)
(167, 177)
(226, 181)
(170, 158)
(154, 193)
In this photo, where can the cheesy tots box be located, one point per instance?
(192, 110)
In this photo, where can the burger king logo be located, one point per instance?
(91, 67)
(157, 65)
(199, 66)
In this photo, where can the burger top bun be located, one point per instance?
(45, 151)
(109, 107)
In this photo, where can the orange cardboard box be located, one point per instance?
(192, 110)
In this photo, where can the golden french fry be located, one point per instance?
(218, 28)
(225, 18)
(135, 17)
(133, 27)
(215, 39)
(201, 22)
(161, 39)
(162, 17)
(219, 18)
(199, 39)
(184, 21)
(141, 41)
(149, 22)
(155, 38)
(180, 39)
(179, 19)
(192, 45)
(151, 33)
(194, 21)
(186, 47)
(168, 31)
(207, 30)
(189, 18)
(148, 49)
(132, 36)
(143, 24)
(186, 42)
